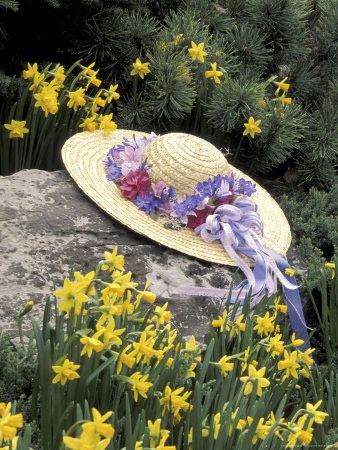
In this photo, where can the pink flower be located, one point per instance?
(136, 183)
(166, 208)
(199, 218)
(131, 159)
(158, 188)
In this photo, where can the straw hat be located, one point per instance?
(178, 159)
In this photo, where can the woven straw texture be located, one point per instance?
(174, 157)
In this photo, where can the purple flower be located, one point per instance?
(181, 208)
(205, 189)
(113, 172)
(166, 208)
(148, 203)
(172, 193)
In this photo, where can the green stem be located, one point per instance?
(237, 150)
(19, 321)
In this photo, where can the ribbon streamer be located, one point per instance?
(239, 229)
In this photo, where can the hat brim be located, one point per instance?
(84, 154)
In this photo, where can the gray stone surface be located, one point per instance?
(48, 226)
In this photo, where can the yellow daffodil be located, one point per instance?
(284, 100)
(113, 261)
(305, 436)
(190, 373)
(14, 444)
(332, 267)
(261, 430)
(265, 325)
(145, 295)
(37, 80)
(119, 285)
(99, 101)
(125, 359)
(93, 80)
(143, 348)
(47, 100)
(289, 272)
(139, 385)
(87, 281)
(31, 71)
(315, 416)
(8, 422)
(59, 76)
(72, 296)
(296, 342)
(221, 321)
(255, 375)
(244, 364)
(271, 421)
(224, 365)
(240, 424)
(192, 347)
(252, 127)
(87, 441)
(281, 85)
(174, 400)
(275, 345)
(76, 99)
(214, 73)
(89, 71)
(112, 94)
(89, 124)
(126, 305)
(65, 372)
(17, 129)
(92, 343)
(282, 308)
(161, 315)
(111, 335)
(155, 432)
(238, 326)
(97, 426)
(107, 124)
(140, 68)
(196, 51)
(305, 357)
(289, 364)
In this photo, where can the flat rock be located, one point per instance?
(48, 226)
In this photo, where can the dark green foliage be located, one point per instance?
(325, 37)
(234, 102)
(282, 131)
(217, 19)
(249, 45)
(137, 34)
(284, 24)
(313, 219)
(17, 370)
(171, 96)
(134, 113)
(318, 157)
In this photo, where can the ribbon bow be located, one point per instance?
(239, 228)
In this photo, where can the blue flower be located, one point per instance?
(172, 193)
(181, 208)
(113, 172)
(147, 204)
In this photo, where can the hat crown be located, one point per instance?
(183, 160)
